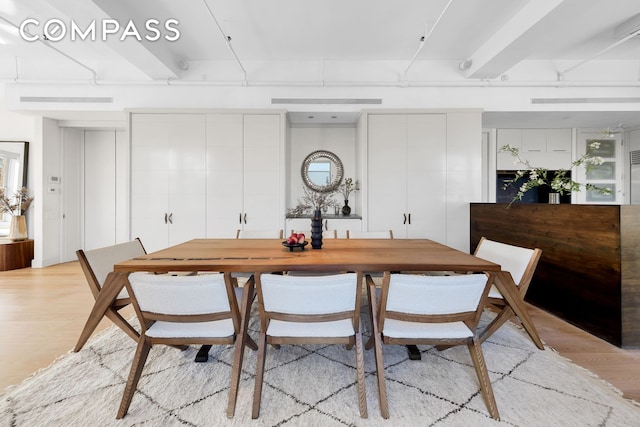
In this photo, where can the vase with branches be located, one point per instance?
(560, 182)
(345, 189)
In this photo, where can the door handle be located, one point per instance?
(165, 217)
(405, 219)
(171, 218)
(245, 218)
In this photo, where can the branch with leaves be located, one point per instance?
(18, 204)
(560, 183)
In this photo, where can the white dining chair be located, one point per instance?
(309, 310)
(357, 234)
(96, 265)
(184, 310)
(521, 263)
(429, 310)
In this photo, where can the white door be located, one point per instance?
(262, 195)
(426, 176)
(387, 174)
(224, 174)
(99, 189)
(168, 170)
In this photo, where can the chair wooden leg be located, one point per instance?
(142, 351)
(120, 321)
(475, 349)
(376, 338)
(505, 314)
(362, 391)
(369, 343)
(257, 391)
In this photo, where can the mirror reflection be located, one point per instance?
(322, 171)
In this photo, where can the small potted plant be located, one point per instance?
(346, 188)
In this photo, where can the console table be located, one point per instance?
(14, 255)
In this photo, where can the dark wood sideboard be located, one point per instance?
(589, 272)
(14, 255)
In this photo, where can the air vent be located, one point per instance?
(635, 157)
(326, 101)
(69, 99)
(584, 100)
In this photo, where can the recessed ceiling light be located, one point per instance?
(334, 117)
(311, 117)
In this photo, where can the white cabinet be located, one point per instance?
(168, 174)
(245, 173)
(406, 175)
(547, 148)
(329, 223)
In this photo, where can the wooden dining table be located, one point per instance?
(269, 255)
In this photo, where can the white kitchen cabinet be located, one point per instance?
(245, 173)
(168, 176)
(547, 148)
(407, 173)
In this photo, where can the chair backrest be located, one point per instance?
(309, 295)
(356, 234)
(259, 234)
(98, 263)
(518, 261)
(181, 299)
(434, 295)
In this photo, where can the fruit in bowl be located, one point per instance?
(295, 239)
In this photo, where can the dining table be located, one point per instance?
(251, 256)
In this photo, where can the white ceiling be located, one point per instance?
(240, 39)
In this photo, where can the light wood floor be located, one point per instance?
(42, 312)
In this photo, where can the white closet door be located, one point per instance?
(168, 197)
(99, 189)
(426, 183)
(263, 198)
(224, 174)
(187, 179)
(387, 174)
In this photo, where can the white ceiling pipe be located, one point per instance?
(561, 74)
(50, 46)
(424, 38)
(227, 41)
(319, 83)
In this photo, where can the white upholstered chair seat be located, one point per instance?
(215, 329)
(400, 329)
(336, 328)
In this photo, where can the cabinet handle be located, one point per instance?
(165, 217)
(326, 224)
(171, 218)
(240, 218)
(405, 219)
(245, 218)
(409, 219)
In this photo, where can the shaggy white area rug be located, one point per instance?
(316, 386)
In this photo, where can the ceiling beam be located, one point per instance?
(152, 58)
(509, 44)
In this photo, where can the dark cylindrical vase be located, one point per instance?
(346, 209)
(316, 229)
